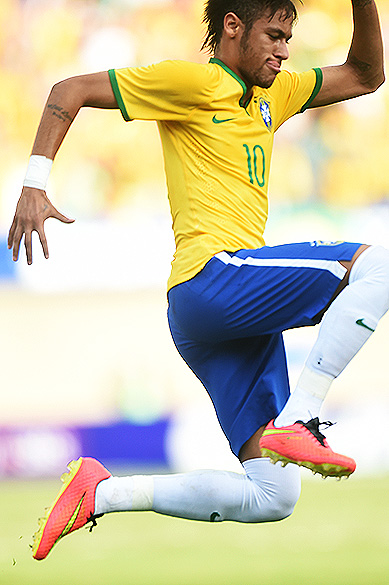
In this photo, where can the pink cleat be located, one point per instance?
(303, 444)
(74, 506)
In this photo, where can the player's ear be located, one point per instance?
(232, 25)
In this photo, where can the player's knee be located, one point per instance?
(275, 497)
(281, 504)
(285, 504)
(372, 264)
(370, 273)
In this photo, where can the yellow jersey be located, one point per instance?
(217, 149)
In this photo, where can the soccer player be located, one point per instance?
(230, 295)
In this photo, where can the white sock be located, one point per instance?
(265, 493)
(347, 325)
(119, 494)
(306, 401)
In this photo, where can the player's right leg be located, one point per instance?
(263, 493)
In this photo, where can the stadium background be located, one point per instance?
(87, 364)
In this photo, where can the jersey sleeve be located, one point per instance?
(170, 90)
(294, 92)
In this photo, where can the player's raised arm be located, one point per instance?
(65, 100)
(363, 71)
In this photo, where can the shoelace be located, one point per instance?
(93, 520)
(313, 427)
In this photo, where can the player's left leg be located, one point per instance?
(242, 300)
(349, 322)
(267, 290)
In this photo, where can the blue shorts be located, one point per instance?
(227, 324)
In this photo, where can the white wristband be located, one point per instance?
(38, 172)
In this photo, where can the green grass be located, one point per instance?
(338, 535)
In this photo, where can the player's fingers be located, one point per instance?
(16, 244)
(28, 246)
(11, 234)
(43, 241)
(57, 215)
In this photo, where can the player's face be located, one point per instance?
(263, 49)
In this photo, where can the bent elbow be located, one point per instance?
(375, 83)
(366, 77)
(370, 83)
(70, 91)
(381, 80)
(61, 86)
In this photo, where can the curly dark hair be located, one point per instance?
(247, 10)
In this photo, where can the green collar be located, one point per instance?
(235, 76)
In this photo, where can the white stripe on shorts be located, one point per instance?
(332, 266)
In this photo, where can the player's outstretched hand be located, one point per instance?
(32, 210)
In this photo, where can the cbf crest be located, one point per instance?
(264, 108)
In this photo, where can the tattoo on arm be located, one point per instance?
(60, 113)
(361, 66)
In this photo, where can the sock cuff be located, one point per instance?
(143, 492)
(315, 383)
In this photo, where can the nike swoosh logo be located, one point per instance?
(72, 519)
(362, 324)
(216, 120)
(277, 432)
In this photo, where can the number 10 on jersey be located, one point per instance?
(255, 163)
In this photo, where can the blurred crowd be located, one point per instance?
(335, 155)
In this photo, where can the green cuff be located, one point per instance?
(316, 89)
(118, 95)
